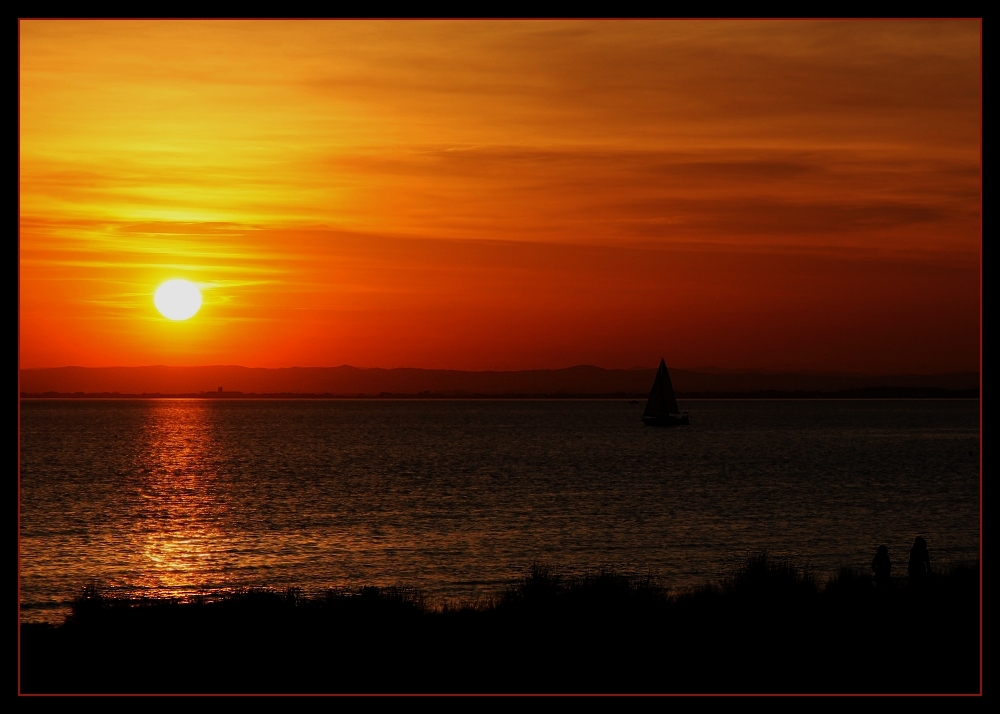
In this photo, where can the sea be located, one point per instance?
(186, 497)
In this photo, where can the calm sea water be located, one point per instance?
(174, 497)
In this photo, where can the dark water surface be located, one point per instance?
(172, 497)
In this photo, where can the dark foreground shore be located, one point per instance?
(768, 628)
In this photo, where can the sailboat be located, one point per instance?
(661, 407)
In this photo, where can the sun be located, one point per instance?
(177, 299)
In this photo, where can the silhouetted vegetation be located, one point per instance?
(768, 627)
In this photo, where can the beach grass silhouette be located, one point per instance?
(767, 626)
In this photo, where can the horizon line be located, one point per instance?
(706, 368)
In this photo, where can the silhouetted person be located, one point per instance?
(920, 562)
(882, 567)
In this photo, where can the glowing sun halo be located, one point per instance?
(177, 299)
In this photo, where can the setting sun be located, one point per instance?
(177, 299)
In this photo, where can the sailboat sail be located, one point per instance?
(661, 399)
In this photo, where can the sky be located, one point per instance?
(770, 195)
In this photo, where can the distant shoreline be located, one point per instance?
(866, 393)
(579, 382)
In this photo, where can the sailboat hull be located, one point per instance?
(667, 420)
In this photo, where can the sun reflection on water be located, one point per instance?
(182, 504)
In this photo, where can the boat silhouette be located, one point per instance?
(661, 407)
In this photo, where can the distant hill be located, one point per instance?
(583, 380)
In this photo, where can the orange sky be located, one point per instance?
(474, 195)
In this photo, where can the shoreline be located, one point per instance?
(879, 393)
(767, 627)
